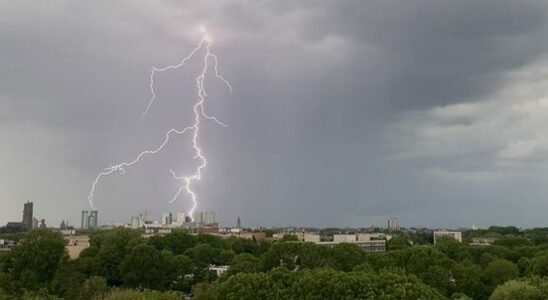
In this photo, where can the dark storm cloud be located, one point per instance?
(316, 84)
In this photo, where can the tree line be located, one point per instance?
(121, 264)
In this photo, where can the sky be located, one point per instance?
(343, 113)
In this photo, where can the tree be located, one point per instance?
(313, 256)
(512, 290)
(68, 281)
(37, 258)
(245, 263)
(346, 256)
(179, 241)
(177, 269)
(204, 254)
(143, 295)
(500, 271)
(281, 255)
(398, 242)
(144, 267)
(538, 265)
(467, 278)
(94, 288)
(431, 266)
(7, 285)
(290, 238)
(114, 246)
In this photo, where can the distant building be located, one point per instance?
(15, 226)
(209, 217)
(42, 224)
(238, 223)
(35, 223)
(204, 218)
(394, 224)
(457, 235)
(93, 219)
(167, 219)
(366, 242)
(85, 220)
(27, 215)
(311, 237)
(344, 238)
(482, 241)
(219, 270)
(181, 219)
(89, 219)
(198, 217)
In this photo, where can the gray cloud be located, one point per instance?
(342, 113)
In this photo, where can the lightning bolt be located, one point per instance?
(199, 114)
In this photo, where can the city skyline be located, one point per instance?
(342, 114)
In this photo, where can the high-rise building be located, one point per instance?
(239, 223)
(181, 219)
(85, 220)
(167, 219)
(209, 217)
(394, 224)
(34, 223)
(27, 215)
(198, 217)
(204, 218)
(93, 219)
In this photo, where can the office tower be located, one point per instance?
(181, 219)
(43, 224)
(239, 223)
(34, 223)
(135, 222)
(93, 219)
(85, 220)
(198, 217)
(27, 215)
(209, 217)
(394, 224)
(167, 219)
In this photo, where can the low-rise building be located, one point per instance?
(482, 241)
(219, 270)
(457, 235)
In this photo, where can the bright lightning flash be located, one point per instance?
(199, 114)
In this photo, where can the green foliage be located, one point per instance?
(538, 265)
(317, 284)
(290, 238)
(281, 255)
(431, 266)
(397, 243)
(516, 266)
(36, 259)
(204, 255)
(143, 295)
(114, 246)
(94, 288)
(245, 263)
(499, 271)
(346, 256)
(68, 281)
(144, 267)
(513, 290)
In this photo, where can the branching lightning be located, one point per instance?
(199, 113)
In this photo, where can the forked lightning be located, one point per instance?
(199, 113)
